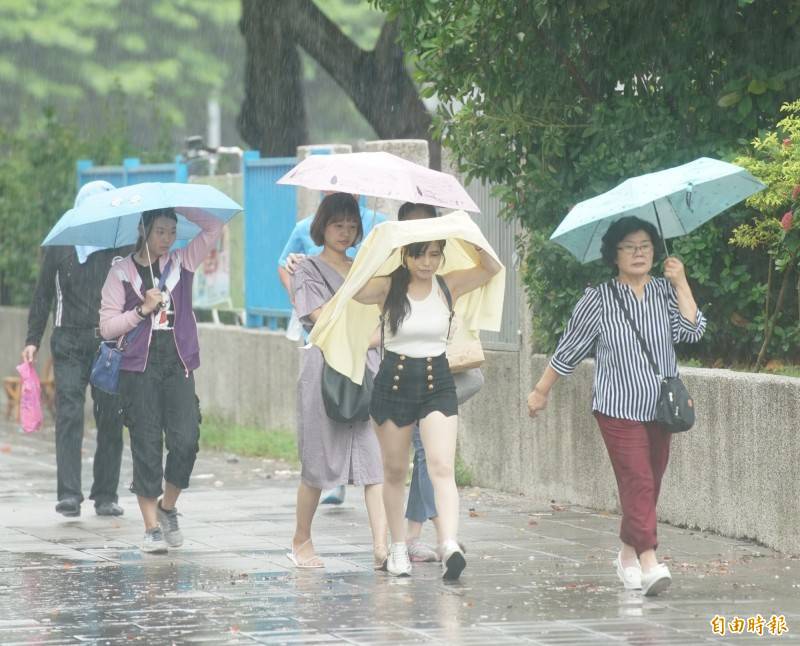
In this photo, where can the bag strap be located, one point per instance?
(130, 336)
(321, 275)
(383, 330)
(449, 297)
(635, 329)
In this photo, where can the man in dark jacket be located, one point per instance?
(72, 278)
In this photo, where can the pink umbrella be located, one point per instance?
(380, 174)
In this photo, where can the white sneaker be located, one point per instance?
(656, 580)
(398, 563)
(630, 576)
(153, 542)
(169, 525)
(453, 561)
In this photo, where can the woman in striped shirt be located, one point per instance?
(625, 387)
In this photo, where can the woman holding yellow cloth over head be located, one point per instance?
(395, 274)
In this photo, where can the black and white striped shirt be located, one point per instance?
(624, 383)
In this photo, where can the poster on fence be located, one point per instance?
(212, 280)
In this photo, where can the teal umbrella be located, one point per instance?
(676, 200)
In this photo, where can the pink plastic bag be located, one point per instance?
(30, 400)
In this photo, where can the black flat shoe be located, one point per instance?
(108, 509)
(70, 507)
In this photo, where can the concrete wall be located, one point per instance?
(737, 472)
(248, 375)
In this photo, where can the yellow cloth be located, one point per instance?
(344, 326)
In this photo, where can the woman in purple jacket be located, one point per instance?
(156, 377)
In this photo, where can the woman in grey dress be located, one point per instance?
(331, 453)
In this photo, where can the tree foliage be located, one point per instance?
(775, 159)
(73, 55)
(37, 183)
(77, 53)
(558, 100)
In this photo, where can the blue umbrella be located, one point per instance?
(111, 218)
(677, 200)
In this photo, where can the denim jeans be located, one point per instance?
(421, 504)
(73, 351)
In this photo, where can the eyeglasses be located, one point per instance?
(632, 249)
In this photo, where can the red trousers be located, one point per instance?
(639, 453)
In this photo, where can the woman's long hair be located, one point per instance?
(397, 307)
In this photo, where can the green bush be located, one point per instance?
(37, 181)
(556, 102)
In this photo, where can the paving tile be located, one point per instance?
(534, 576)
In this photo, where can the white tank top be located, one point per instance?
(423, 333)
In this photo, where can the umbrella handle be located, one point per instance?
(660, 230)
(150, 263)
(150, 267)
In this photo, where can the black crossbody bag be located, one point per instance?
(345, 401)
(675, 407)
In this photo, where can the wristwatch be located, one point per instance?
(139, 312)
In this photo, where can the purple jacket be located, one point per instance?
(123, 291)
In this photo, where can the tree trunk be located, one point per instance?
(769, 288)
(273, 117)
(770, 322)
(797, 288)
(377, 81)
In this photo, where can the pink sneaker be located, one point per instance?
(420, 552)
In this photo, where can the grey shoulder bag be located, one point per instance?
(675, 407)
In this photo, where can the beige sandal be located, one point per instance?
(380, 555)
(312, 562)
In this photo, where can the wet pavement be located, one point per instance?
(538, 572)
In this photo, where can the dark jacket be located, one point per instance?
(73, 287)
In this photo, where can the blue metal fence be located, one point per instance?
(132, 171)
(269, 219)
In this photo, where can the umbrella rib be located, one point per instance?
(589, 243)
(116, 233)
(677, 214)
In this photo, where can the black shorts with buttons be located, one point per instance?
(407, 389)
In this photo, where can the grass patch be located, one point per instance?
(220, 435)
(463, 473)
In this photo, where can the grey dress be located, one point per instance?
(331, 453)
